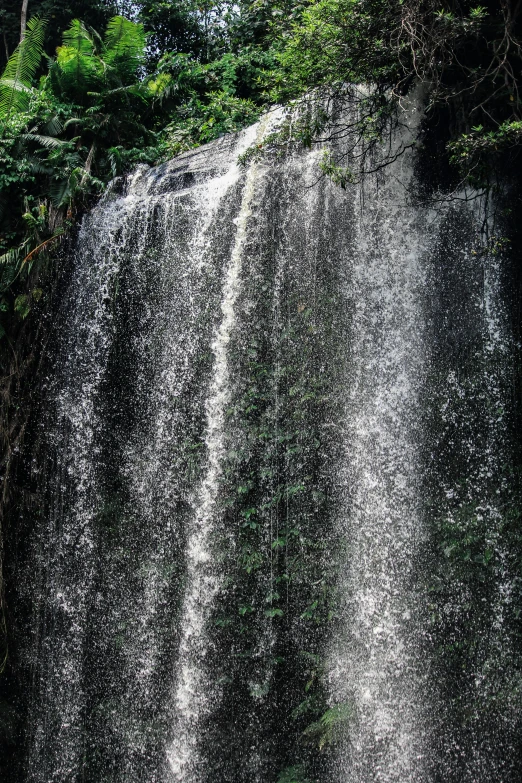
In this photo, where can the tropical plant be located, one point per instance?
(16, 82)
(331, 726)
(59, 138)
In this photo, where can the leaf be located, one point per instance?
(76, 59)
(53, 127)
(58, 234)
(16, 80)
(37, 166)
(274, 612)
(124, 47)
(22, 306)
(12, 84)
(60, 192)
(45, 141)
(331, 727)
(309, 613)
(11, 257)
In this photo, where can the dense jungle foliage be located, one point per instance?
(90, 89)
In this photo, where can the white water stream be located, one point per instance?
(374, 668)
(202, 581)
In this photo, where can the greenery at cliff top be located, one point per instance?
(89, 92)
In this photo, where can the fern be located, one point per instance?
(76, 58)
(74, 121)
(60, 193)
(49, 142)
(331, 727)
(11, 257)
(115, 160)
(37, 165)
(53, 127)
(15, 83)
(124, 47)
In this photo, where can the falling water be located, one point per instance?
(375, 663)
(66, 544)
(473, 488)
(202, 583)
(274, 414)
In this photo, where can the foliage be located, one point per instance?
(94, 13)
(212, 69)
(175, 75)
(475, 153)
(97, 112)
(179, 27)
(276, 543)
(199, 122)
(206, 101)
(466, 56)
(16, 81)
(295, 774)
(57, 137)
(331, 726)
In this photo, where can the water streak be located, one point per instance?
(202, 581)
(374, 670)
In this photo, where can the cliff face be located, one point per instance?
(266, 523)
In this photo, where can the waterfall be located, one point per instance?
(375, 670)
(192, 690)
(275, 463)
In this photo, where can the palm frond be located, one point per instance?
(24, 61)
(73, 121)
(12, 257)
(49, 142)
(14, 254)
(75, 59)
(331, 727)
(138, 90)
(14, 97)
(78, 37)
(53, 127)
(37, 165)
(115, 160)
(124, 47)
(15, 84)
(58, 235)
(60, 192)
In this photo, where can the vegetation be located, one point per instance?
(178, 75)
(282, 562)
